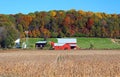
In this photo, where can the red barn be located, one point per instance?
(65, 44)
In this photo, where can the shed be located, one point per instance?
(40, 44)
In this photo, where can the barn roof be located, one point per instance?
(67, 40)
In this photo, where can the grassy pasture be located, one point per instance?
(98, 43)
(83, 43)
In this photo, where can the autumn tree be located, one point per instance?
(60, 23)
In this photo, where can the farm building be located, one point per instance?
(17, 43)
(65, 44)
(40, 44)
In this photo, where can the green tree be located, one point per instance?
(9, 36)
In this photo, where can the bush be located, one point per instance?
(47, 47)
(91, 46)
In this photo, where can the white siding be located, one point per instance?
(73, 44)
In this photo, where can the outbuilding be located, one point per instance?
(17, 43)
(40, 44)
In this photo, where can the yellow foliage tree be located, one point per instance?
(99, 15)
(82, 12)
(53, 13)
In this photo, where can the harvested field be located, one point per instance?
(49, 63)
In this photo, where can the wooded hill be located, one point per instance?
(60, 23)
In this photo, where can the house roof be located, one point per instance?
(17, 41)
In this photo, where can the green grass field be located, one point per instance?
(83, 43)
(98, 43)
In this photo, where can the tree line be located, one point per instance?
(58, 23)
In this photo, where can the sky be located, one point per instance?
(27, 6)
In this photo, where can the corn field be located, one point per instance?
(83, 63)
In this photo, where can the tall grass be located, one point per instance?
(64, 66)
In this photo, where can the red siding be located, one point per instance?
(64, 47)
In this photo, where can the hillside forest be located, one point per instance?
(58, 23)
